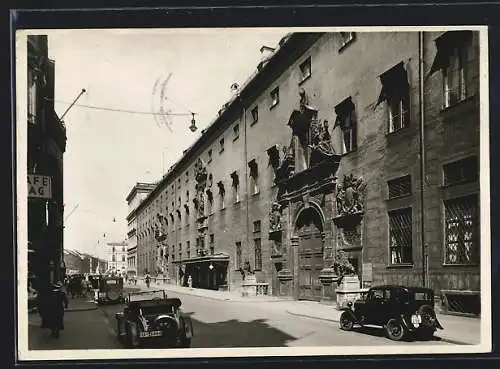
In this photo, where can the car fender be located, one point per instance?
(187, 325)
(406, 322)
(351, 314)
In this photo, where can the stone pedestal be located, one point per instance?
(349, 291)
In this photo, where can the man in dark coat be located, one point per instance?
(54, 313)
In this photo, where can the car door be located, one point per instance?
(374, 306)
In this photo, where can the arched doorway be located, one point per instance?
(309, 229)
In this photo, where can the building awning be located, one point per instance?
(221, 257)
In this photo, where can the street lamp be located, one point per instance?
(193, 127)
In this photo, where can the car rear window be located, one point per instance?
(422, 296)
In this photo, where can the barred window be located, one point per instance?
(238, 255)
(258, 254)
(400, 236)
(462, 229)
(399, 187)
(461, 171)
(256, 226)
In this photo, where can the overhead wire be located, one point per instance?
(125, 110)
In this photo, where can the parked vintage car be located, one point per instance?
(402, 311)
(110, 290)
(152, 318)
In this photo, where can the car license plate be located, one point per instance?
(150, 334)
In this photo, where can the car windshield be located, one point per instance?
(147, 295)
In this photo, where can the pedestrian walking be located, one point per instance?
(52, 313)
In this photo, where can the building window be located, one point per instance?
(346, 119)
(123, 257)
(187, 195)
(187, 176)
(180, 251)
(236, 132)
(396, 92)
(236, 186)
(254, 177)
(210, 155)
(113, 258)
(212, 244)
(256, 226)
(399, 187)
(221, 145)
(238, 255)
(255, 114)
(400, 236)
(346, 38)
(455, 58)
(258, 254)
(305, 70)
(462, 230)
(461, 171)
(188, 249)
(275, 97)
(178, 183)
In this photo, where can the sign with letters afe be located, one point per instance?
(39, 186)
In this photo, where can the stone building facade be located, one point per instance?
(46, 147)
(117, 257)
(320, 156)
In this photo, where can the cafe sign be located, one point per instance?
(39, 186)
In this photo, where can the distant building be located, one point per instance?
(138, 193)
(77, 262)
(117, 257)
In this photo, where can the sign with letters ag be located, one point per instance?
(39, 186)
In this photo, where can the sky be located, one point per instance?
(107, 151)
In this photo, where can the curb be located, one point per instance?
(234, 299)
(447, 340)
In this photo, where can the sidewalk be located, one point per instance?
(457, 329)
(211, 294)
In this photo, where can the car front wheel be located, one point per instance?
(346, 321)
(395, 330)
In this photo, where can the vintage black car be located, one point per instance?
(152, 318)
(402, 311)
(110, 290)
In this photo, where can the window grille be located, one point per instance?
(400, 236)
(462, 229)
(399, 187)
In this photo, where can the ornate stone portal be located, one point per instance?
(305, 177)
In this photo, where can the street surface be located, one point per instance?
(217, 323)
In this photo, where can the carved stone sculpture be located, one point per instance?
(350, 195)
(275, 218)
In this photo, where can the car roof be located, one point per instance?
(401, 287)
